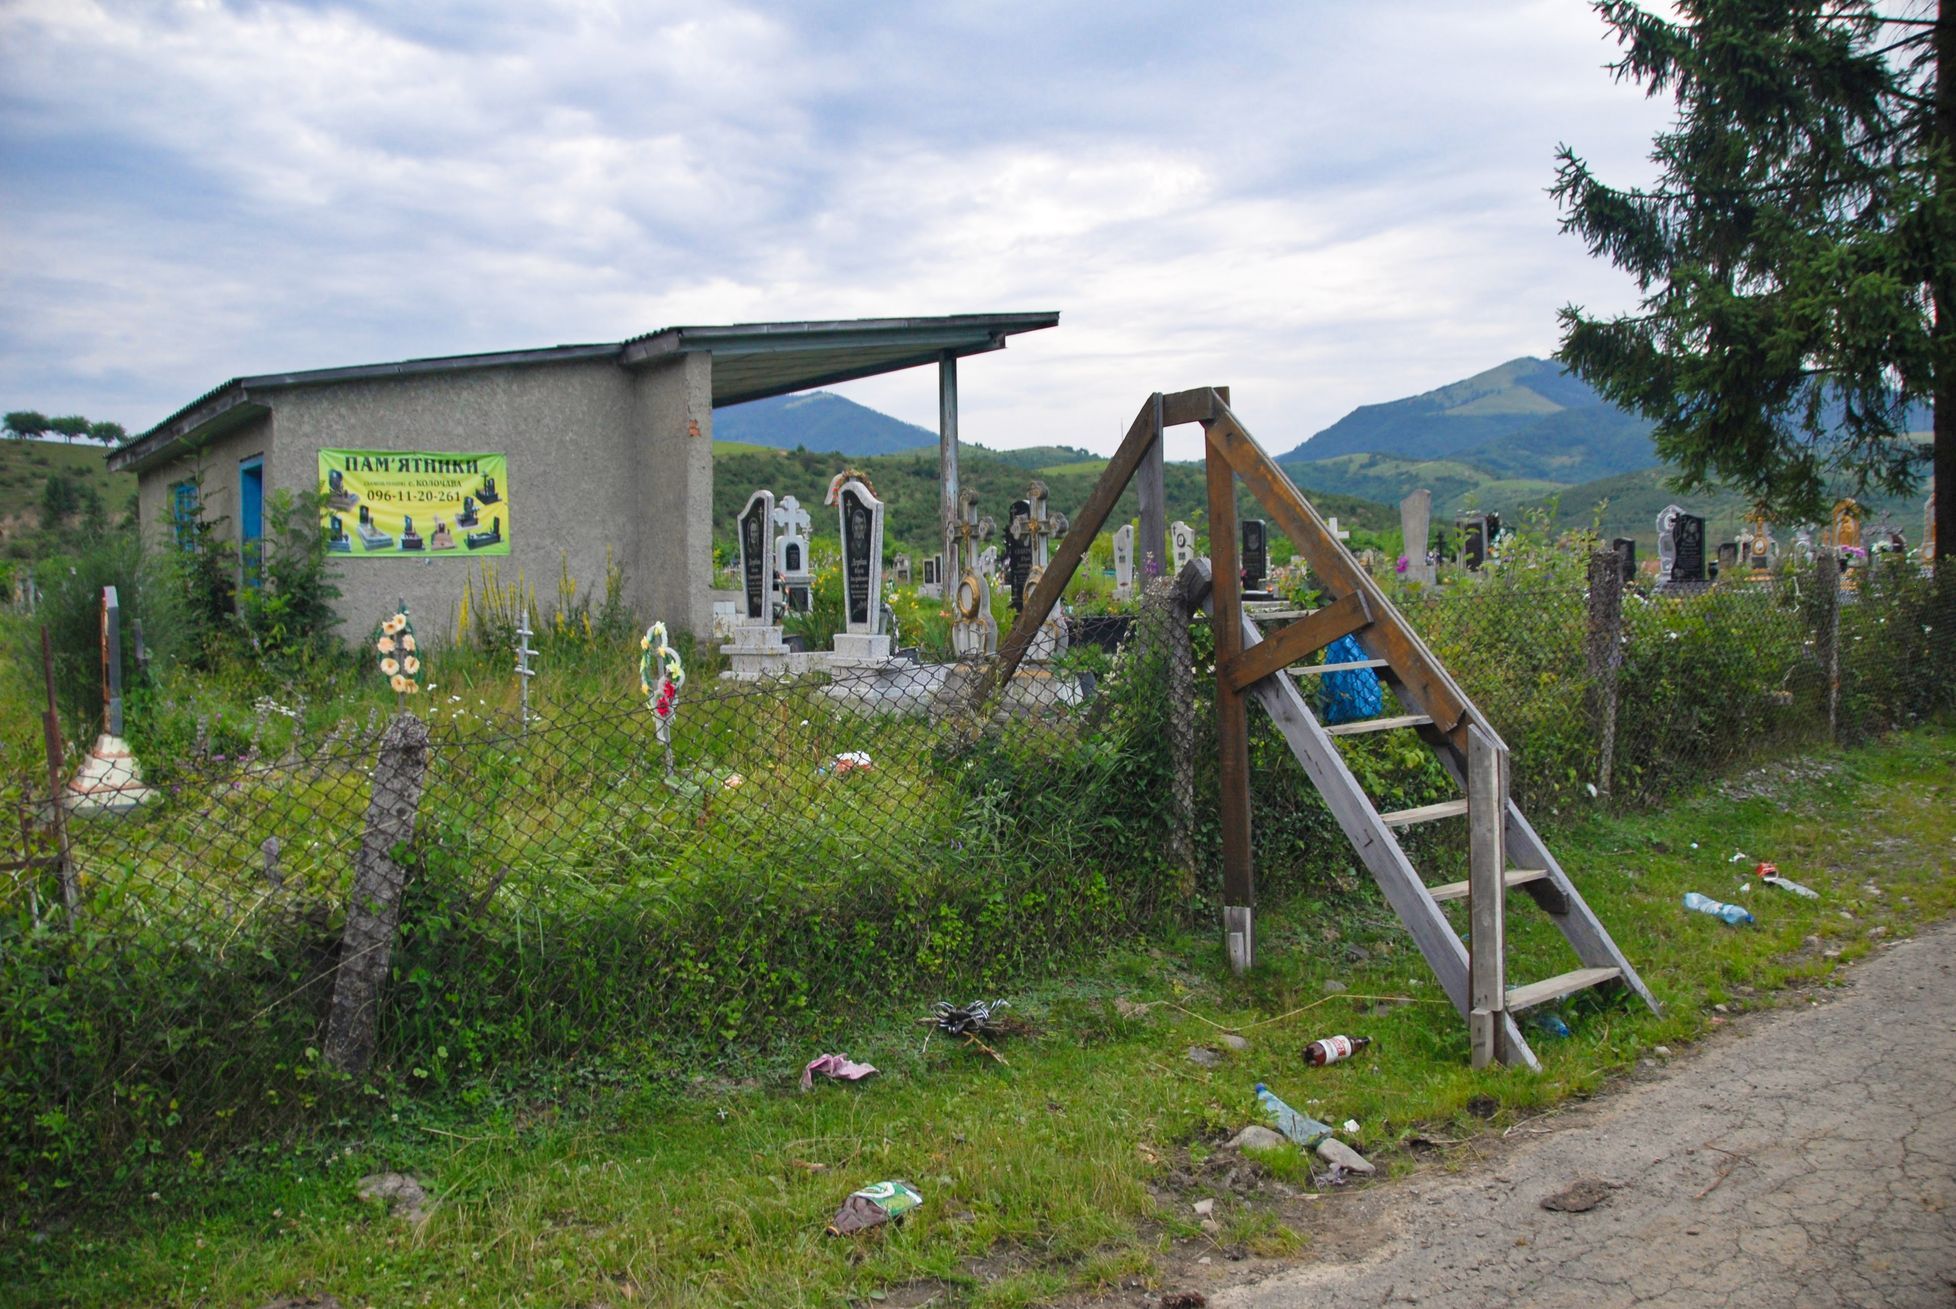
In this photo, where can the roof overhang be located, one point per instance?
(751, 361)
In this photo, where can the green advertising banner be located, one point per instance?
(413, 503)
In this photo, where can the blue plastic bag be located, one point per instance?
(1349, 696)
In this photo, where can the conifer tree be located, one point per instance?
(1796, 256)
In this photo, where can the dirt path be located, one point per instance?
(1807, 1160)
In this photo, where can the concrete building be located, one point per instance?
(607, 446)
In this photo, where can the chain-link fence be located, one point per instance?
(454, 897)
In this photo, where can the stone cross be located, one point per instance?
(1124, 562)
(755, 528)
(862, 558)
(792, 573)
(1181, 544)
(1415, 526)
(1032, 530)
(1332, 523)
(974, 632)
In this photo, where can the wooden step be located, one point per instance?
(1378, 725)
(1430, 813)
(1513, 877)
(1272, 615)
(1550, 989)
(1318, 670)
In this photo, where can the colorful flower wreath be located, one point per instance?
(399, 660)
(661, 659)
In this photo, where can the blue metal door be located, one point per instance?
(251, 519)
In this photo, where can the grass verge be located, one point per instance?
(1071, 1167)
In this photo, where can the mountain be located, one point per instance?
(1528, 418)
(907, 484)
(818, 420)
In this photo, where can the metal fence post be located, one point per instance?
(1487, 808)
(373, 911)
(1181, 731)
(1604, 651)
(57, 808)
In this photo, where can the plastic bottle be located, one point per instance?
(1549, 1023)
(1333, 1048)
(1704, 904)
(1301, 1128)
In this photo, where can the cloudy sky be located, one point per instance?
(1322, 205)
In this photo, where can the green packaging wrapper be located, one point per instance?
(873, 1206)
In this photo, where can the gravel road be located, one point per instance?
(1808, 1159)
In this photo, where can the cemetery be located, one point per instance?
(757, 826)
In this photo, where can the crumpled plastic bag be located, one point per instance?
(873, 1206)
(833, 1065)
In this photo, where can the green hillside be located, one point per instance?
(26, 467)
(1526, 418)
(907, 483)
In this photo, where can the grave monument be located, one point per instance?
(1415, 528)
(757, 649)
(109, 781)
(1124, 562)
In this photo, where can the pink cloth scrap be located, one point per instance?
(833, 1065)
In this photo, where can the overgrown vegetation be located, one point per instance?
(642, 1179)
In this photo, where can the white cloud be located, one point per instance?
(1319, 206)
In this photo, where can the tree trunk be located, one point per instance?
(1943, 460)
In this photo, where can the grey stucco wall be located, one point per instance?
(215, 465)
(599, 457)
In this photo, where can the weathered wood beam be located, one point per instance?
(1073, 547)
(1282, 648)
(1487, 896)
(1418, 675)
(1232, 719)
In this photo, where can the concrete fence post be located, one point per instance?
(1603, 650)
(374, 910)
(1827, 633)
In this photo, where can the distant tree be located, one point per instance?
(60, 497)
(26, 424)
(70, 426)
(108, 433)
(1797, 254)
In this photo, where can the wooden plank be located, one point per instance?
(1197, 406)
(1421, 678)
(1549, 989)
(1558, 897)
(1290, 644)
(1374, 842)
(1487, 794)
(1263, 615)
(1319, 670)
(1514, 877)
(1232, 721)
(1426, 813)
(1365, 725)
(1072, 548)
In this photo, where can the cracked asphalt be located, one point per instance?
(1808, 1159)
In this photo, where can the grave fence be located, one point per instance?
(452, 899)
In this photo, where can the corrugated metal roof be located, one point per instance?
(751, 362)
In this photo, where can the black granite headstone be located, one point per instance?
(754, 560)
(1688, 549)
(1256, 554)
(1018, 553)
(856, 525)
